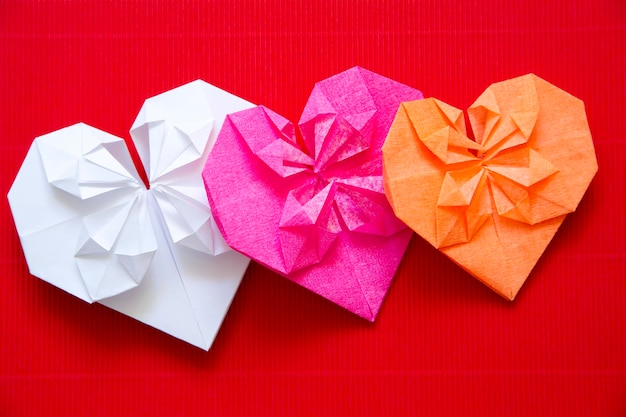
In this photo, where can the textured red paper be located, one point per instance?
(443, 344)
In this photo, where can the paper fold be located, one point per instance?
(308, 201)
(89, 226)
(493, 204)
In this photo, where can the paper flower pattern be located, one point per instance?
(309, 203)
(492, 204)
(337, 188)
(89, 225)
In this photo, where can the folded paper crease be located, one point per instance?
(528, 167)
(89, 225)
(314, 192)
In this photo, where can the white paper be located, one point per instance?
(89, 226)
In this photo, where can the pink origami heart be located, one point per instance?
(309, 202)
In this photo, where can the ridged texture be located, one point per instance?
(443, 344)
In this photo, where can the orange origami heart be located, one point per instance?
(492, 205)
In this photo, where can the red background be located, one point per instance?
(443, 343)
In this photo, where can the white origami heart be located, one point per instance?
(88, 224)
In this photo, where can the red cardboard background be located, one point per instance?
(443, 343)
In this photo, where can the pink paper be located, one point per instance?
(308, 202)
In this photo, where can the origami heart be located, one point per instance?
(310, 203)
(492, 205)
(89, 226)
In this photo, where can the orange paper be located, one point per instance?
(494, 203)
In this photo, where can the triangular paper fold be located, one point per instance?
(313, 208)
(89, 226)
(494, 214)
